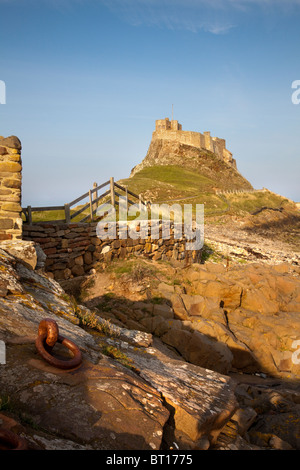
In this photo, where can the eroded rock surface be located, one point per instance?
(101, 404)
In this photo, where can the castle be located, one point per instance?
(172, 130)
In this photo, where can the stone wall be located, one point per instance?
(72, 250)
(10, 188)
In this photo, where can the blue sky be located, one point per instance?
(86, 80)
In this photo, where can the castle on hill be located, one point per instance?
(172, 130)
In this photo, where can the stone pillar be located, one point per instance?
(10, 188)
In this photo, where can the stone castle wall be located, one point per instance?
(172, 130)
(10, 188)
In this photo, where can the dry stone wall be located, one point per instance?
(73, 249)
(10, 188)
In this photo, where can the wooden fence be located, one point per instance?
(94, 200)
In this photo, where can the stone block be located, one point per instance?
(6, 224)
(88, 258)
(11, 206)
(10, 167)
(11, 142)
(77, 270)
(12, 182)
(163, 310)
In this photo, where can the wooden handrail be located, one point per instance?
(91, 204)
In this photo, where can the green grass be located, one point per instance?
(49, 216)
(170, 182)
(172, 185)
(252, 202)
(137, 269)
(178, 177)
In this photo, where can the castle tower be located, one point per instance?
(166, 124)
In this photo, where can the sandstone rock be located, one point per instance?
(178, 307)
(6, 224)
(100, 404)
(276, 443)
(198, 349)
(285, 426)
(10, 167)
(255, 301)
(163, 310)
(24, 251)
(200, 401)
(244, 418)
(229, 294)
(11, 142)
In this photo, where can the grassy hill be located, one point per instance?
(171, 183)
(173, 172)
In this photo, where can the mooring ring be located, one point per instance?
(11, 441)
(44, 348)
(49, 328)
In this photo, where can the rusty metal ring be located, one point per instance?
(11, 441)
(44, 350)
(49, 328)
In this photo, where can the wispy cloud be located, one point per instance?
(213, 16)
(190, 15)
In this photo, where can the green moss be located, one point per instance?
(115, 353)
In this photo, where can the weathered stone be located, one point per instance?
(183, 387)
(24, 251)
(77, 270)
(255, 301)
(3, 288)
(79, 260)
(6, 224)
(11, 142)
(10, 167)
(11, 206)
(5, 236)
(244, 418)
(200, 350)
(163, 310)
(88, 258)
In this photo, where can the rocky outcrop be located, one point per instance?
(235, 318)
(169, 152)
(100, 404)
(240, 320)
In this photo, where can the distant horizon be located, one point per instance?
(82, 84)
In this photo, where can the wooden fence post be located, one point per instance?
(112, 191)
(95, 195)
(67, 213)
(126, 195)
(91, 205)
(29, 215)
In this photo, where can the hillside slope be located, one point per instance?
(163, 152)
(175, 172)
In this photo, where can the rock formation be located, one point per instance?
(100, 404)
(200, 152)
